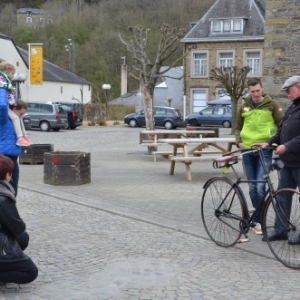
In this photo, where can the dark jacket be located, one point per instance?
(289, 135)
(8, 136)
(11, 225)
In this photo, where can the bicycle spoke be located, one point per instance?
(284, 216)
(222, 211)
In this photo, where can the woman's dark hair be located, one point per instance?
(20, 104)
(6, 166)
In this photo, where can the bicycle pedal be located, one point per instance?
(244, 240)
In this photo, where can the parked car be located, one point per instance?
(212, 115)
(75, 113)
(47, 116)
(26, 121)
(167, 117)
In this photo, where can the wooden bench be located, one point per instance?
(187, 161)
(165, 154)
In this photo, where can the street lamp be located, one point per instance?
(106, 87)
(71, 49)
(19, 78)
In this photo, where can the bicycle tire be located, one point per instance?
(222, 229)
(288, 255)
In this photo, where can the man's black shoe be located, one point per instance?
(275, 236)
(295, 241)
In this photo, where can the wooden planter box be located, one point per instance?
(67, 168)
(34, 154)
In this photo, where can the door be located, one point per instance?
(33, 110)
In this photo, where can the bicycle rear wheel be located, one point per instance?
(276, 218)
(222, 210)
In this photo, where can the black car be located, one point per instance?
(167, 117)
(75, 113)
(26, 121)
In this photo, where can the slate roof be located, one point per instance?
(55, 73)
(253, 11)
(52, 72)
(165, 87)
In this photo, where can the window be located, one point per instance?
(225, 59)
(160, 111)
(50, 21)
(207, 111)
(199, 98)
(28, 20)
(46, 108)
(216, 26)
(253, 60)
(226, 26)
(200, 64)
(237, 25)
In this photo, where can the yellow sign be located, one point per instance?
(36, 64)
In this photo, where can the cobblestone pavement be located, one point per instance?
(134, 232)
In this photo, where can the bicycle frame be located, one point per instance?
(269, 192)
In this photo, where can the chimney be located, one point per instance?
(124, 77)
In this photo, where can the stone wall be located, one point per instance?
(281, 46)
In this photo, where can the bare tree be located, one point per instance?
(233, 80)
(145, 71)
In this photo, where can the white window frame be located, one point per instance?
(253, 72)
(29, 20)
(204, 64)
(234, 22)
(217, 26)
(197, 108)
(219, 52)
(230, 25)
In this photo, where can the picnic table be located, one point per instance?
(198, 152)
(154, 135)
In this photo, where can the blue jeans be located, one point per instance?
(289, 178)
(254, 171)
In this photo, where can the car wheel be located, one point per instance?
(193, 122)
(132, 123)
(45, 126)
(56, 129)
(168, 125)
(227, 124)
(73, 127)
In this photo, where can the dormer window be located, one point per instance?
(227, 26)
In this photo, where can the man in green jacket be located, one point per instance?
(257, 121)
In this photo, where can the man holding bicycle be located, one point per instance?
(257, 120)
(288, 139)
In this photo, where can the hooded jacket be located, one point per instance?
(289, 135)
(8, 136)
(11, 225)
(257, 124)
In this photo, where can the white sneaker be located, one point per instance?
(257, 228)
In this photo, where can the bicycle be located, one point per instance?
(225, 213)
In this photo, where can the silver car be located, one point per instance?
(47, 116)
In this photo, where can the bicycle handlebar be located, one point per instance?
(250, 150)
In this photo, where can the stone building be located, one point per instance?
(281, 46)
(34, 17)
(231, 33)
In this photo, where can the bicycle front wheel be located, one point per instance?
(283, 215)
(222, 211)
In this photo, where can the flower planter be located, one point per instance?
(34, 154)
(67, 168)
